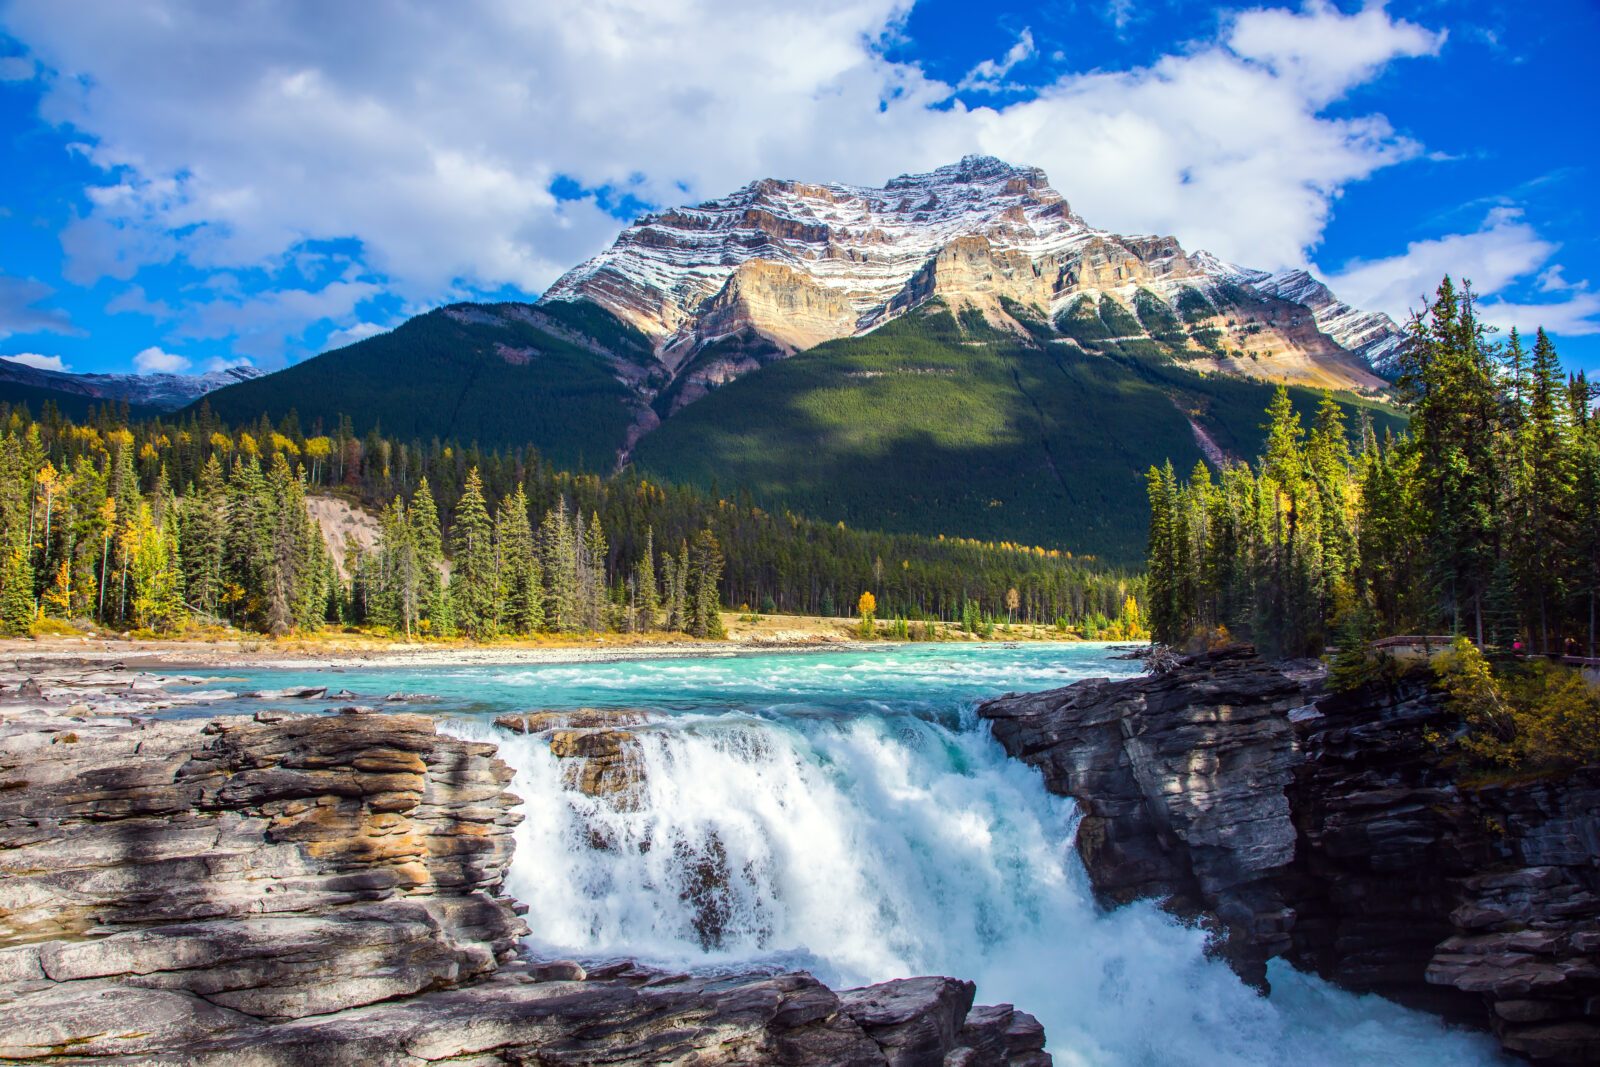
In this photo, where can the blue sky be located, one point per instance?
(187, 186)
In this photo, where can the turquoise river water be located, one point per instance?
(848, 814)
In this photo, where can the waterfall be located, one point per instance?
(876, 844)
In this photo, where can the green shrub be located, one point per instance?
(1535, 715)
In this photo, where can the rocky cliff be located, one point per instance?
(327, 889)
(1335, 830)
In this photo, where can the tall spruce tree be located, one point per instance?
(558, 548)
(705, 564)
(432, 605)
(521, 582)
(646, 595)
(473, 579)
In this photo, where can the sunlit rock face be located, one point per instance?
(797, 264)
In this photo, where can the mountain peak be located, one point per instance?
(786, 264)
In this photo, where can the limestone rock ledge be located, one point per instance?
(327, 889)
(1334, 830)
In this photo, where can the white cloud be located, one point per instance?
(1553, 280)
(153, 360)
(263, 324)
(432, 139)
(1576, 316)
(1499, 254)
(1325, 53)
(987, 76)
(20, 311)
(1120, 12)
(351, 334)
(16, 69)
(35, 360)
(216, 363)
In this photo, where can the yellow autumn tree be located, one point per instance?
(867, 608)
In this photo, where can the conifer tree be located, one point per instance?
(521, 583)
(432, 606)
(559, 550)
(647, 596)
(683, 589)
(153, 566)
(705, 564)
(473, 578)
(16, 591)
(592, 554)
(202, 530)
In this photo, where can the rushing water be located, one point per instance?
(847, 813)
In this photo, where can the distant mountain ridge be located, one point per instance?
(156, 392)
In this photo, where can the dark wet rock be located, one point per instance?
(558, 971)
(308, 692)
(1335, 830)
(915, 1020)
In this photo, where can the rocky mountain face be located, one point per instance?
(781, 266)
(311, 889)
(161, 392)
(1335, 830)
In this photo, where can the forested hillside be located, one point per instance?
(930, 425)
(161, 523)
(501, 375)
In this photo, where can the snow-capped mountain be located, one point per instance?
(793, 264)
(163, 392)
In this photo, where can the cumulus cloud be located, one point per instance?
(351, 334)
(432, 141)
(154, 360)
(1576, 316)
(20, 311)
(1503, 251)
(988, 75)
(35, 360)
(263, 324)
(1323, 53)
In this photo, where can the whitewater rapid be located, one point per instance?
(786, 817)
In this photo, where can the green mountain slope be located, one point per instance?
(932, 426)
(501, 375)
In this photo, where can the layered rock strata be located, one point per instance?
(726, 286)
(1336, 831)
(327, 889)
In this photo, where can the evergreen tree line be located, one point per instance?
(154, 523)
(1482, 519)
(507, 577)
